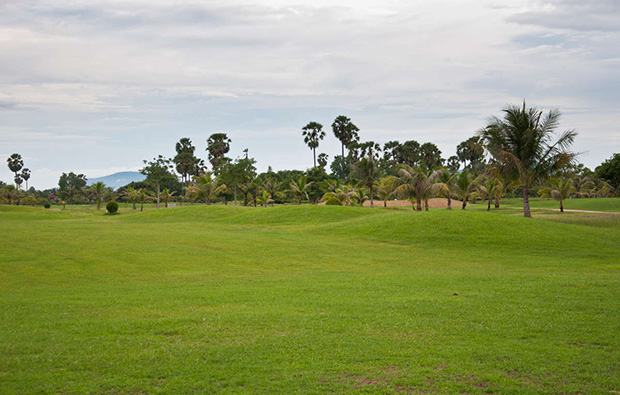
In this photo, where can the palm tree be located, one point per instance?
(97, 190)
(25, 175)
(206, 187)
(132, 194)
(559, 188)
(300, 188)
(272, 187)
(264, 199)
(465, 187)
(366, 171)
(143, 197)
(166, 195)
(583, 185)
(445, 184)
(415, 185)
(343, 193)
(15, 163)
(346, 132)
(313, 133)
(522, 144)
(487, 186)
(387, 188)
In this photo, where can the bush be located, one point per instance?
(333, 201)
(47, 205)
(112, 207)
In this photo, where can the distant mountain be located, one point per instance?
(118, 180)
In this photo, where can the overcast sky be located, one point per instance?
(96, 87)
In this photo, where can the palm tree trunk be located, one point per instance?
(314, 152)
(141, 207)
(235, 189)
(464, 203)
(343, 175)
(489, 205)
(426, 204)
(449, 203)
(526, 201)
(561, 206)
(418, 204)
(134, 205)
(385, 203)
(372, 203)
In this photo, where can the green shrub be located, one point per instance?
(47, 205)
(112, 207)
(333, 201)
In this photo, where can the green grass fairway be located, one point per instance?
(308, 299)
(592, 204)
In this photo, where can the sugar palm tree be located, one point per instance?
(300, 188)
(445, 184)
(366, 171)
(465, 187)
(346, 132)
(558, 188)
(206, 187)
(313, 133)
(523, 144)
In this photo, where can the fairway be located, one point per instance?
(308, 299)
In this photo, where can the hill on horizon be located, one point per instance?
(119, 179)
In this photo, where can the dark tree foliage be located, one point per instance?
(317, 177)
(15, 163)
(453, 164)
(77, 181)
(313, 133)
(471, 153)
(346, 132)
(609, 171)
(337, 169)
(323, 159)
(218, 145)
(187, 164)
(431, 156)
(408, 153)
(158, 173)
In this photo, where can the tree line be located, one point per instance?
(516, 155)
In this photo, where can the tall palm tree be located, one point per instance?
(445, 184)
(206, 187)
(465, 187)
(15, 163)
(25, 175)
(523, 144)
(300, 188)
(559, 188)
(346, 132)
(366, 171)
(313, 133)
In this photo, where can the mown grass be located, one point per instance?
(593, 204)
(307, 299)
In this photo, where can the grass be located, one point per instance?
(307, 299)
(592, 204)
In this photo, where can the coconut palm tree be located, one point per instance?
(487, 186)
(264, 199)
(343, 193)
(523, 144)
(465, 187)
(166, 195)
(559, 188)
(415, 185)
(97, 190)
(313, 133)
(300, 188)
(206, 187)
(387, 188)
(132, 194)
(366, 172)
(445, 184)
(143, 197)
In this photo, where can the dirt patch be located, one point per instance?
(433, 203)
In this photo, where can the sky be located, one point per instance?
(97, 87)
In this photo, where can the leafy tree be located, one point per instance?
(409, 153)
(366, 172)
(238, 175)
(218, 145)
(522, 144)
(25, 175)
(157, 171)
(315, 178)
(313, 133)
(558, 188)
(338, 170)
(346, 132)
(472, 151)
(453, 164)
(77, 181)
(431, 156)
(15, 163)
(609, 171)
(97, 190)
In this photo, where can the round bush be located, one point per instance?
(112, 207)
(47, 205)
(333, 201)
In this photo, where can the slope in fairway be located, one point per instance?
(307, 299)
